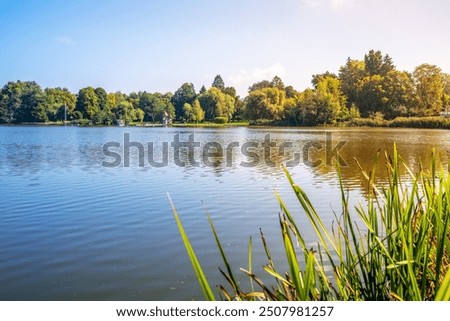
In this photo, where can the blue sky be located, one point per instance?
(133, 45)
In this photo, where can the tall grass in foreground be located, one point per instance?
(399, 250)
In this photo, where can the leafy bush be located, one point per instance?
(421, 122)
(407, 122)
(221, 120)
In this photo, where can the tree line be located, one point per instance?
(369, 88)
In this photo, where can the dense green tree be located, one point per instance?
(350, 74)
(149, 103)
(187, 112)
(113, 99)
(446, 95)
(133, 98)
(370, 95)
(318, 77)
(215, 103)
(375, 86)
(102, 98)
(398, 101)
(302, 109)
(155, 106)
(184, 94)
(22, 101)
(239, 109)
(266, 103)
(105, 115)
(194, 112)
(218, 83)
(87, 102)
(377, 64)
(277, 83)
(230, 91)
(330, 101)
(125, 112)
(198, 114)
(57, 102)
(290, 92)
(260, 85)
(429, 88)
(326, 104)
(139, 115)
(292, 110)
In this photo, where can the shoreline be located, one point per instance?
(433, 122)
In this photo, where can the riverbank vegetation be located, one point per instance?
(393, 246)
(369, 92)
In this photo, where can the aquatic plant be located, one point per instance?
(393, 246)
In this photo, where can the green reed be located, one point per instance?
(398, 250)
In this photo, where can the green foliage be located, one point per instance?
(124, 111)
(350, 74)
(102, 98)
(277, 83)
(362, 88)
(221, 120)
(56, 101)
(398, 250)
(184, 94)
(331, 103)
(326, 104)
(260, 85)
(409, 122)
(139, 115)
(215, 103)
(218, 83)
(429, 88)
(22, 101)
(316, 79)
(198, 114)
(187, 112)
(87, 102)
(155, 106)
(266, 103)
(376, 64)
(421, 122)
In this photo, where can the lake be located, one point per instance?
(85, 213)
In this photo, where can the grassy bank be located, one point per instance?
(435, 122)
(211, 124)
(400, 250)
(406, 122)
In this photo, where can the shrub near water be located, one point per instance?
(399, 251)
(421, 122)
(406, 122)
(221, 120)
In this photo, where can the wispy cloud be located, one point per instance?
(247, 78)
(66, 41)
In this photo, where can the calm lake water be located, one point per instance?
(76, 226)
